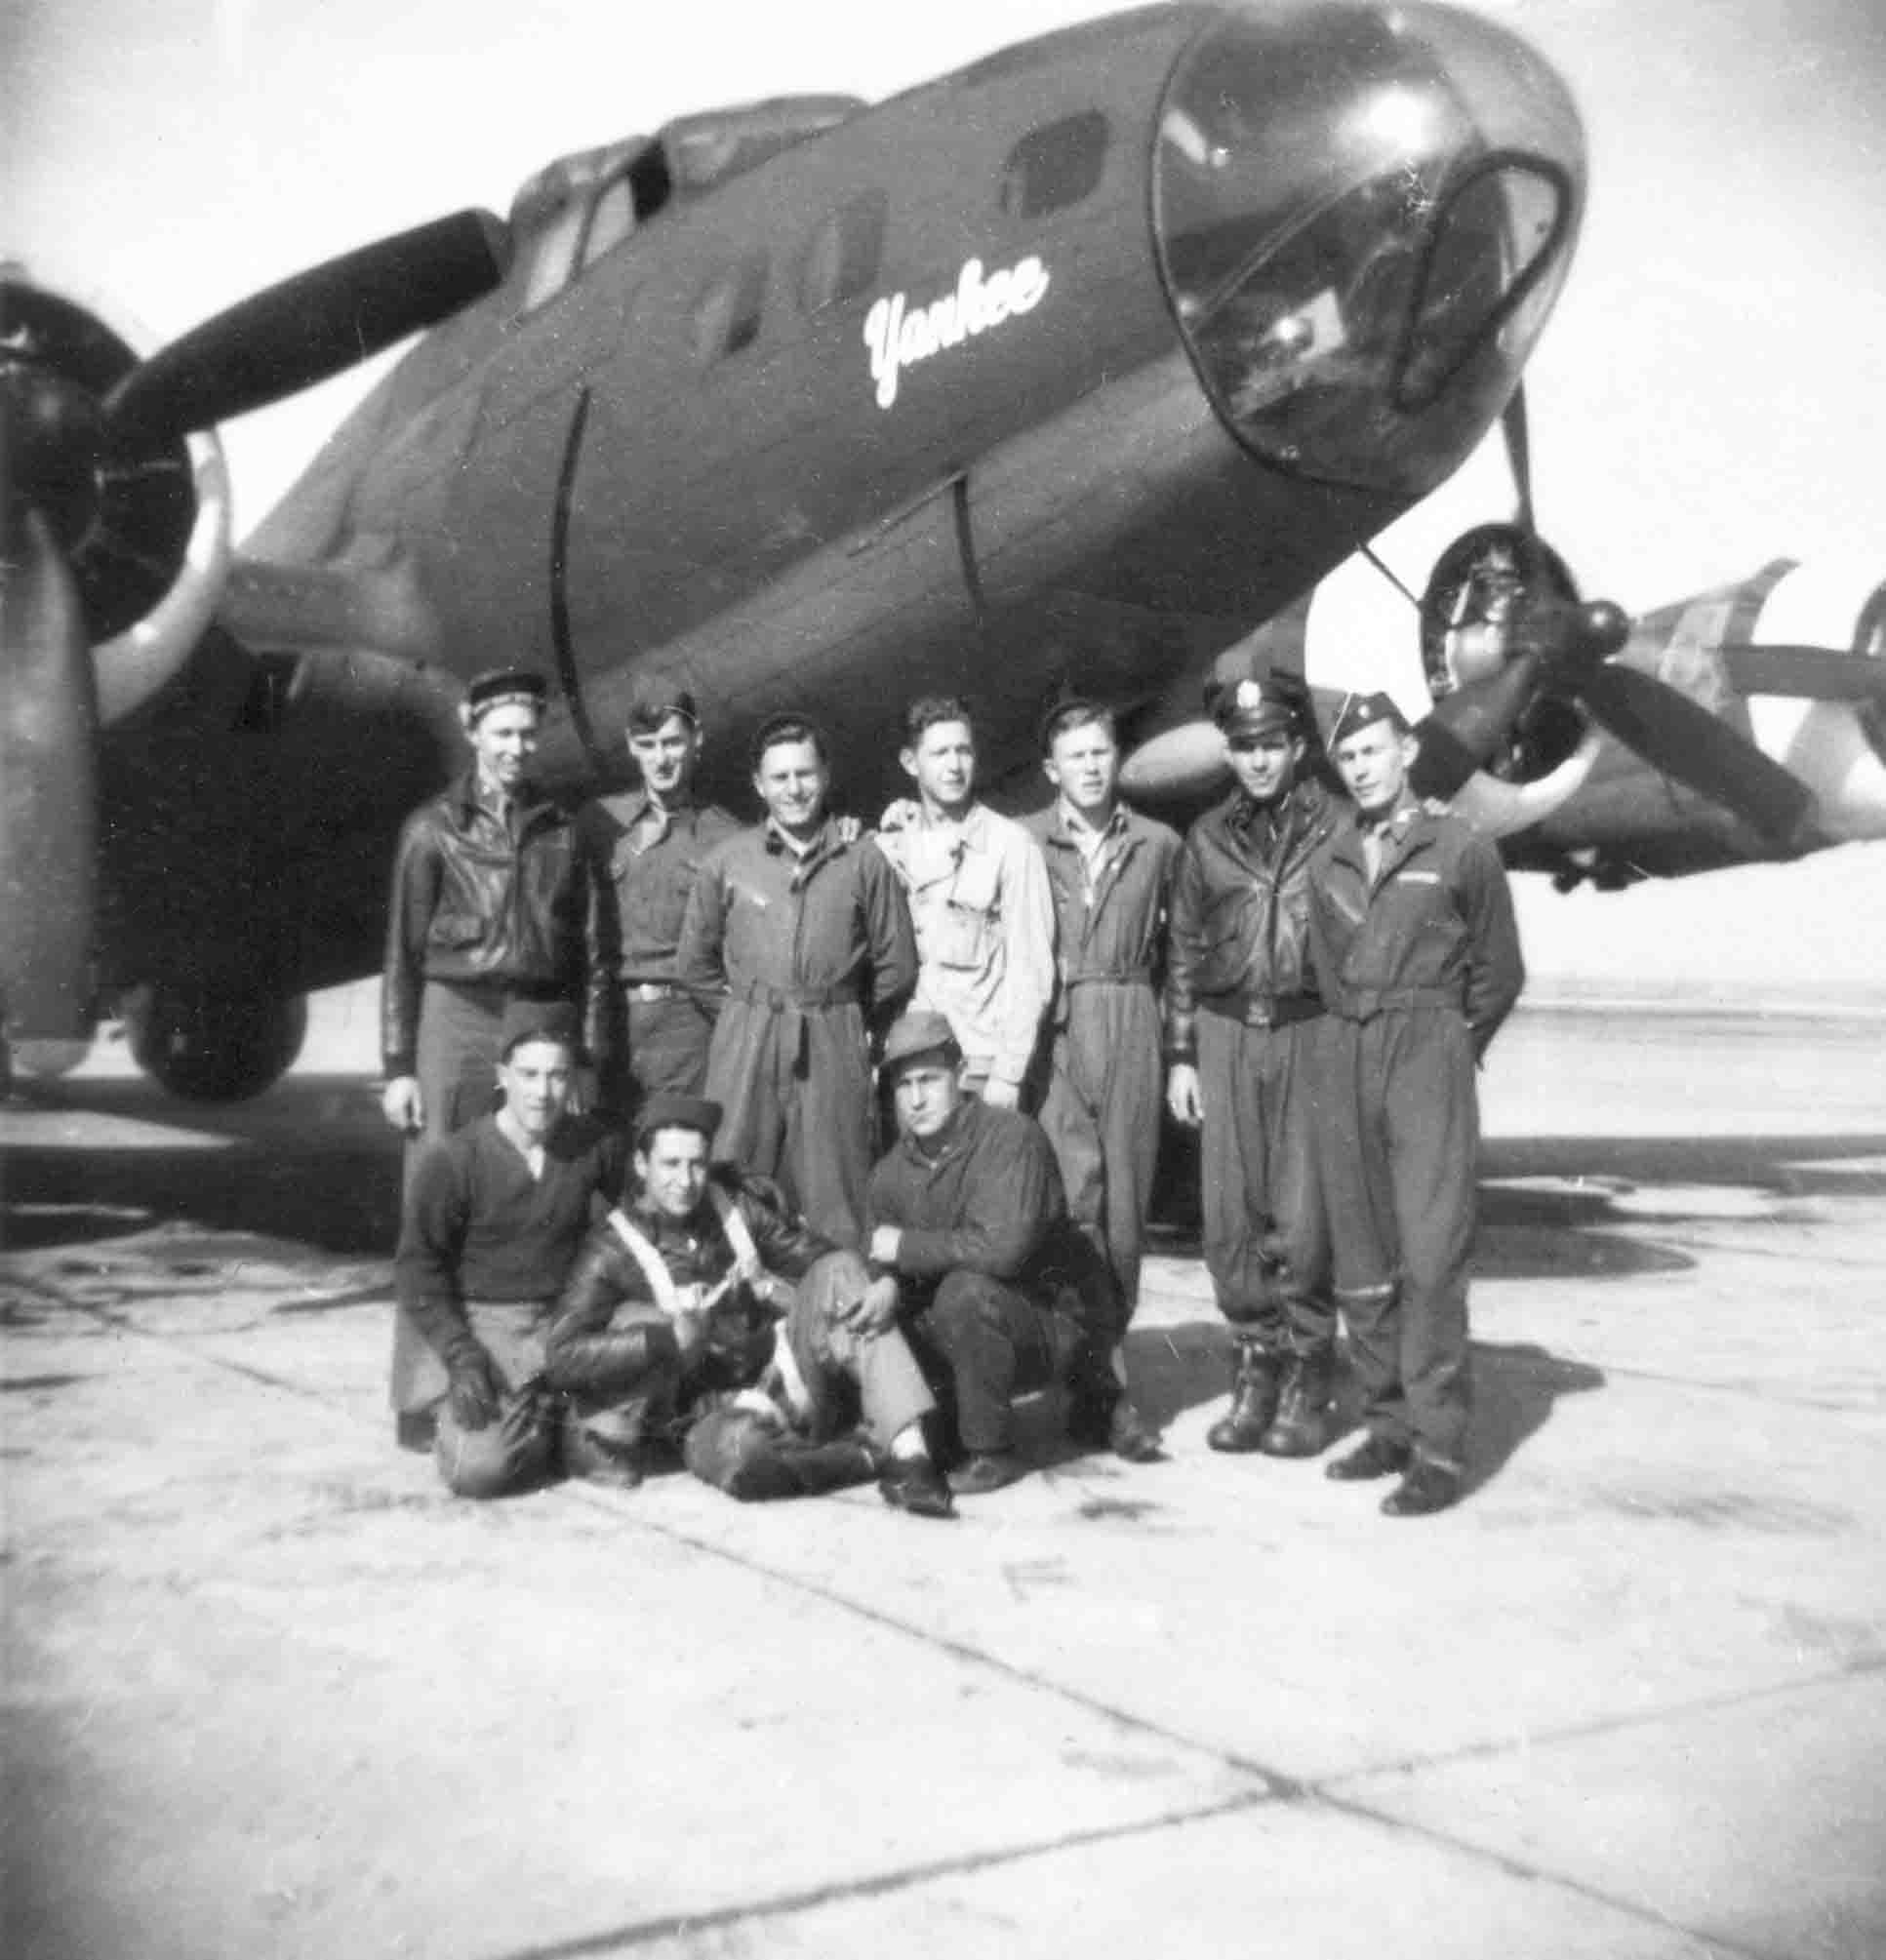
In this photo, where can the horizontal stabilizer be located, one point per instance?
(1804, 673)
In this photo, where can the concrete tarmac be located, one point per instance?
(269, 1691)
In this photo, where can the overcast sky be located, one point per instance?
(1708, 397)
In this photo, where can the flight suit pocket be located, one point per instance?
(452, 932)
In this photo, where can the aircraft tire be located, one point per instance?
(211, 1049)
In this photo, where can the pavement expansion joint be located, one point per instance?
(618, 1938)
(1270, 1787)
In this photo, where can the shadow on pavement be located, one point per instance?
(1515, 1386)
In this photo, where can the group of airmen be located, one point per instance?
(643, 1056)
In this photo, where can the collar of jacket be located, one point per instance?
(1067, 825)
(825, 843)
(1404, 834)
(971, 834)
(468, 803)
(674, 811)
(1303, 810)
(700, 1226)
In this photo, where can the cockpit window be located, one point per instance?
(1055, 166)
(553, 256)
(1489, 246)
(612, 220)
(581, 207)
(1363, 220)
(842, 259)
(726, 317)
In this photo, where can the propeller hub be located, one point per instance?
(1605, 628)
(52, 436)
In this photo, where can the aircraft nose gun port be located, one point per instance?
(1363, 217)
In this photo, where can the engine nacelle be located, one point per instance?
(148, 544)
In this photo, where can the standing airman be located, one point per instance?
(647, 844)
(1243, 1021)
(799, 938)
(1110, 871)
(980, 900)
(1413, 931)
(494, 899)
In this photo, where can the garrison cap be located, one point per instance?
(653, 697)
(502, 685)
(538, 1020)
(1360, 712)
(921, 1032)
(669, 1111)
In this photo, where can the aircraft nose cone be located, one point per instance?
(1363, 215)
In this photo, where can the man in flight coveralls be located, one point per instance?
(1411, 928)
(799, 941)
(1110, 871)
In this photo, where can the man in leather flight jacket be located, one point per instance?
(703, 1312)
(493, 901)
(1243, 1019)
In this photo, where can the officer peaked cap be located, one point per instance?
(1245, 700)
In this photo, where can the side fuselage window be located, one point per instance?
(553, 257)
(726, 318)
(611, 220)
(1055, 166)
(842, 259)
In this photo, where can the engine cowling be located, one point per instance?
(145, 526)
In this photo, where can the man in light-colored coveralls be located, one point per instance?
(979, 899)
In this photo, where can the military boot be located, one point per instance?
(1254, 1403)
(1305, 1410)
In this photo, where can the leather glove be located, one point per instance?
(474, 1387)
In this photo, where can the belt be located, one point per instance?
(841, 993)
(1264, 1010)
(492, 995)
(1365, 1003)
(1106, 976)
(648, 991)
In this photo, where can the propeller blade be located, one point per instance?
(1515, 425)
(1682, 739)
(1471, 726)
(47, 791)
(311, 327)
(1804, 673)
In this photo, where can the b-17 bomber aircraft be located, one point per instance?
(1099, 355)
